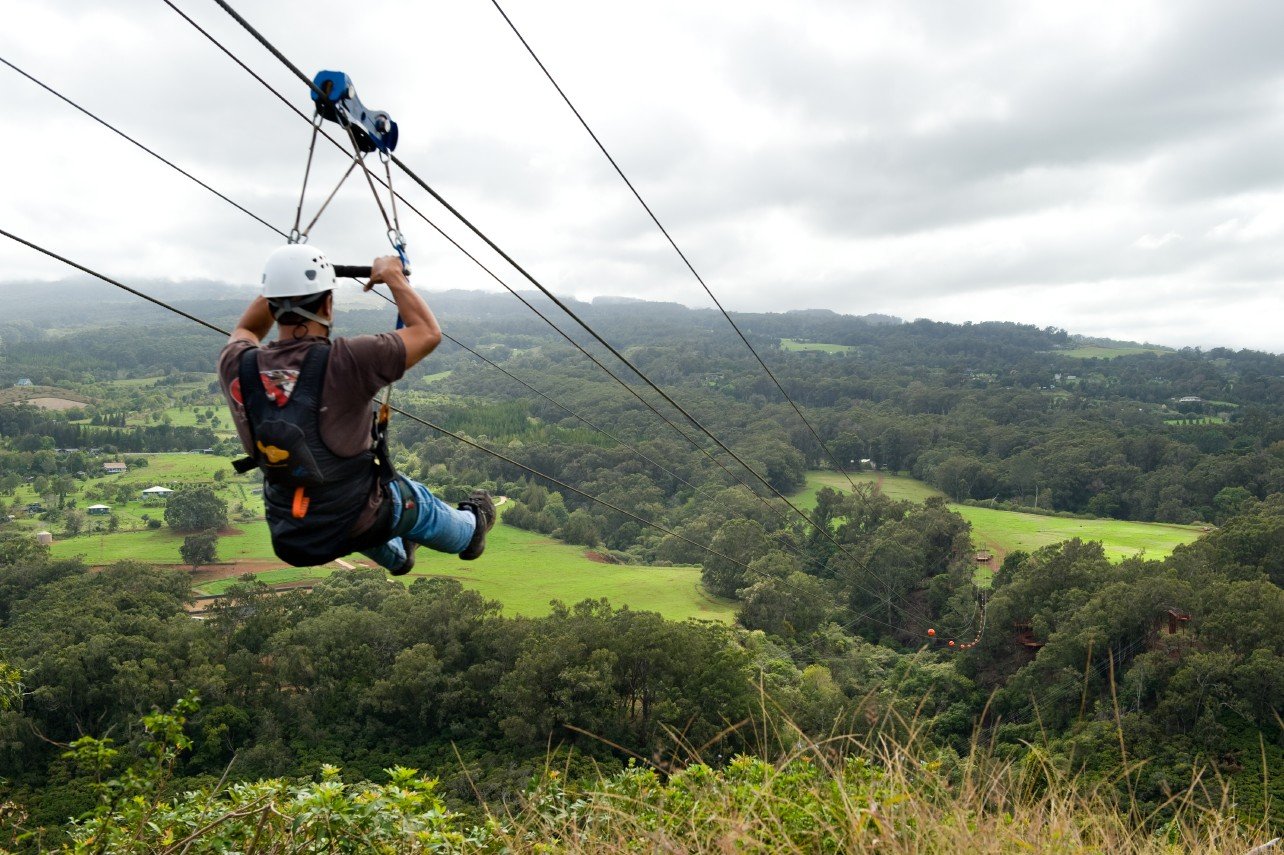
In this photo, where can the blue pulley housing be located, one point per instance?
(336, 99)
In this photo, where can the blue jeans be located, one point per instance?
(439, 526)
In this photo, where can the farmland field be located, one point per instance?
(521, 569)
(791, 344)
(1096, 351)
(1005, 531)
(899, 487)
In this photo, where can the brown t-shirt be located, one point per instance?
(359, 367)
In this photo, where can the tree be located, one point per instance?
(580, 528)
(737, 543)
(195, 509)
(199, 549)
(74, 522)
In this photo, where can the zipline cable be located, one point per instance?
(781, 537)
(410, 173)
(667, 236)
(242, 208)
(824, 530)
(476, 260)
(265, 223)
(557, 302)
(154, 154)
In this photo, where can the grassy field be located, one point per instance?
(527, 586)
(790, 344)
(160, 546)
(899, 487)
(166, 470)
(1005, 531)
(524, 570)
(521, 569)
(1197, 420)
(1096, 351)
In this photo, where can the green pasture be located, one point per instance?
(187, 416)
(525, 570)
(178, 468)
(282, 576)
(1197, 420)
(166, 470)
(526, 580)
(160, 546)
(433, 378)
(898, 487)
(1096, 351)
(791, 344)
(521, 569)
(1005, 531)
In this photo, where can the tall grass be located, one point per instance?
(887, 790)
(877, 793)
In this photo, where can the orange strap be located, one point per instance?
(300, 504)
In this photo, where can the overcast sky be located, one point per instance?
(1115, 168)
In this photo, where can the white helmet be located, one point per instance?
(293, 277)
(297, 270)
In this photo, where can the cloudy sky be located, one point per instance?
(1115, 168)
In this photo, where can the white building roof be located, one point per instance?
(158, 490)
(99, 508)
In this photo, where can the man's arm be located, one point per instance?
(255, 323)
(421, 335)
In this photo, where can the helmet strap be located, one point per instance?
(281, 306)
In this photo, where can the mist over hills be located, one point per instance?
(34, 308)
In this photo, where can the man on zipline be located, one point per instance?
(304, 408)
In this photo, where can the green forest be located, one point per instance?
(869, 626)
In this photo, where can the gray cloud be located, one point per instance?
(1069, 163)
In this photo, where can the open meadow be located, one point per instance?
(1098, 351)
(820, 347)
(521, 569)
(1004, 531)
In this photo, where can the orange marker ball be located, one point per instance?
(951, 643)
(931, 633)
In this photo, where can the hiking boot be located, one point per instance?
(411, 546)
(483, 507)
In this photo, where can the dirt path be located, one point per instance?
(232, 569)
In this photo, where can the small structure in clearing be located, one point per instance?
(157, 492)
(98, 510)
(115, 468)
(44, 538)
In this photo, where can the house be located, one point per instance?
(98, 510)
(1190, 399)
(35, 508)
(25, 381)
(157, 492)
(114, 468)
